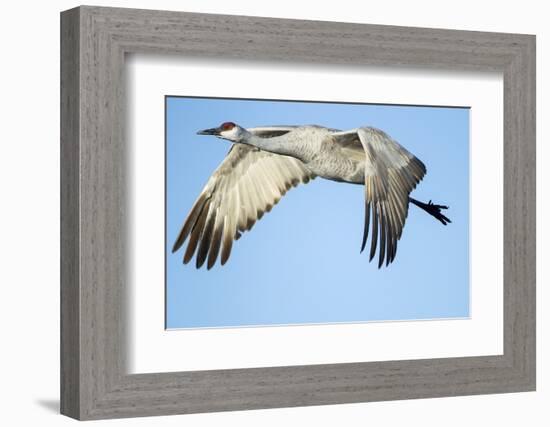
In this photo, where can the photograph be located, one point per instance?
(284, 212)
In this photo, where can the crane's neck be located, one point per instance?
(278, 144)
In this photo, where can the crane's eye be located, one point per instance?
(227, 125)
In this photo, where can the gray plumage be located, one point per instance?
(265, 162)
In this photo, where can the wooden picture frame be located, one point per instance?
(94, 382)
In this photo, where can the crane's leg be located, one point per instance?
(433, 210)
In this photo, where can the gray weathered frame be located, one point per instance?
(94, 41)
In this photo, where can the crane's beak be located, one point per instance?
(213, 131)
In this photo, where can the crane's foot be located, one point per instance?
(433, 209)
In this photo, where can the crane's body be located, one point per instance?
(314, 146)
(265, 162)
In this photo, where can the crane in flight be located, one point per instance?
(265, 162)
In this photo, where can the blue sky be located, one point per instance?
(301, 263)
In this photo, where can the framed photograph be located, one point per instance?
(292, 213)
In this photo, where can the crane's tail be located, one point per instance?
(433, 210)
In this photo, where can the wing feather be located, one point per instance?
(215, 242)
(391, 173)
(248, 183)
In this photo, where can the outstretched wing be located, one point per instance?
(391, 173)
(248, 183)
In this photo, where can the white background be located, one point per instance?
(152, 349)
(29, 214)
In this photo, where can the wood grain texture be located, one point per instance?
(70, 292)
(95, 274)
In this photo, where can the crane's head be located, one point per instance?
(227, 130)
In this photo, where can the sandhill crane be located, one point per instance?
(265, 162)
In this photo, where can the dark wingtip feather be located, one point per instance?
(205, 241)
(391, 254)
(374, 233)
(382, 250)
(196, 233)
(394, 250)
(226, 248)
(391, 238)
(179, 241)
(366, 227)
(190, 222)
(215, 246)
(224, 259)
